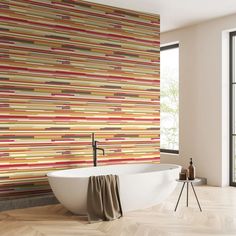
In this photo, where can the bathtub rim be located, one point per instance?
(52, 174)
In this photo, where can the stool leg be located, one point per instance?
(196, 197)
(179, 197)
(187, 194)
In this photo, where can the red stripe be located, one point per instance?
(151, 103)
(76, 73)
(103, 58)
(87, 13)
(74, 118)
(12, 166)
(66, 144)
(5, 18)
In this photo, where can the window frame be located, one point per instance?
(163, 48)
(231, 104)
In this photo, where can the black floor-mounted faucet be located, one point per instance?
(95, 148)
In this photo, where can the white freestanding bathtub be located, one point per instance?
(141, 185)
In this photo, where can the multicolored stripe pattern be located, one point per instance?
(69, 68)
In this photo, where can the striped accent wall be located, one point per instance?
(69, 68)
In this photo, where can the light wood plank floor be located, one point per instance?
(218, 218)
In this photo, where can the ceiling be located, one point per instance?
(177, 13)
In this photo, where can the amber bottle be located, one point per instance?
(191, 170)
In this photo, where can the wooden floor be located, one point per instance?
(218, 218)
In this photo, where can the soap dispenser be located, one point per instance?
(191, 170)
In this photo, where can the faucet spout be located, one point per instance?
(103, 151)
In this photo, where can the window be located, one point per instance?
(232, 50)
(170, 98)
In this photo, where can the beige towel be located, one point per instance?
(103, 199)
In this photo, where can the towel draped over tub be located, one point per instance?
(103, 199)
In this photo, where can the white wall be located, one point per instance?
(204, 85)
